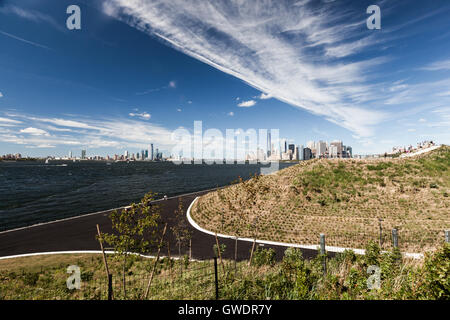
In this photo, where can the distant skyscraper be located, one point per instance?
(296, 156)
(83, 154)
(70, 154)
(146, 154)
(292, 148)
(125, 154)
(321, 148)
(142, 155)
(349, 152)
(269, 144)
(333, 150)
(338, 148)
(151, 152)
(307, 154)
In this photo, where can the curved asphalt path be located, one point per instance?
(79, 233)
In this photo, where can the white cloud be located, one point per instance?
(172, 84)
(142, 115)
(437, 65)
(64, 122)
(179, 110)
(35, 131)
(294, 52)
(9, 121)
(1, 94)
(91, 133)
(41, 146)
(422, 120)
(231, 113)
(247, 104)
(264, 96)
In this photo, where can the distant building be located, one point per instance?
(337, 148)
(321, 149)
(307, 154)
(300, 152)
(292, 148)
(269, 144)
(83, 154)
(152, 156)
(333, 151)
(348, 152)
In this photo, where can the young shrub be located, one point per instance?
(437, 274)
(222, 249)
(372, 256)
(264, 257)
(30, 278)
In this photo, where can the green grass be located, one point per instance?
(43, 277)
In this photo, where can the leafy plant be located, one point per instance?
(135, 229)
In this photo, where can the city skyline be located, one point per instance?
(314, 72)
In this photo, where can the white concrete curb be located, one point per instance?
(284, 244)
(82, 252)
(422, 151)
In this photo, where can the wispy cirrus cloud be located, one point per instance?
(9, 121)
(32, 15)
(23, 40)
(172, 85)
(40, 132)
(293, 50)
(437, 65)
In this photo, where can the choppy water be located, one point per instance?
(34, 192)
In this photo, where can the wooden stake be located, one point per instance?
(251, 252)
(154, 265)
(170, 261)
(104, 256)
(219, 253)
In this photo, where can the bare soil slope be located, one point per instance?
(343, 199)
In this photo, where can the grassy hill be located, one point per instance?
(342, 198)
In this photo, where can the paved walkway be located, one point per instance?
(79, 234)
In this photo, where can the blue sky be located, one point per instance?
(137, 70)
